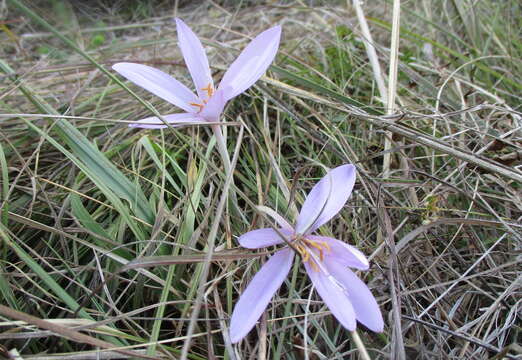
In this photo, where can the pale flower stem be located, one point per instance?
(360, 346)
(222, 148)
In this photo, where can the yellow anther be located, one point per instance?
(304, 253)
(326, 246)
(306, 246)
(209, 89)
(306, 256)
(314, 244)
(314, 265)
(317, 246)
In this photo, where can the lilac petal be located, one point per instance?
(257, 295)
(195, 58)
(334, 295)
(343, 253)
(213, 109)
(327, 197)
(158, 83)
(366, 308)
(261, 238)
(252, 63)
(174, 119)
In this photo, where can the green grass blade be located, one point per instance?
(42, 274)
(93, 163)
(6, 292)
(4, 191)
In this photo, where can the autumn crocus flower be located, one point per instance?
(326, 261)
(208, 102)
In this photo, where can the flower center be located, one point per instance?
(210, 91)
(308, 249)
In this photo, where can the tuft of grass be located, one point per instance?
(118, 243)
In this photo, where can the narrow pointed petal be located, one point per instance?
(261, 238)
(277, 218)
(195, 58)
(182, 119)
(213, 109)
(252, 63)
(158, 83)
(257, 295)
(334, 296)
(366, 308)
(327, 197)
(343, 253)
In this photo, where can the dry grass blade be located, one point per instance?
(465, 337)
(479, 222)
(166, 260)
(370, 50)
(392, 80)
(126, 232)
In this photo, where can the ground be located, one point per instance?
(106, 230)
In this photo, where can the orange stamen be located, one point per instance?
(314, 265)
(317, 246)
(209, 89)
(200, 106)
(306, 256)
(306, 246)
(304, 253)
(326, 246)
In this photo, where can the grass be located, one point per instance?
(117, 239)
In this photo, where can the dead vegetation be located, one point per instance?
(81, 237)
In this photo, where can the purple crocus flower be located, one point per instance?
(207, 105)
(325, 260)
